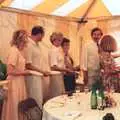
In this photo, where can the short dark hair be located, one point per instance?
(96, 29)
(37, 30)
(109, 116)
(65, 40)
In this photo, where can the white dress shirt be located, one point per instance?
(90, 58)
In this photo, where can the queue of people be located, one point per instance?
(25, 55)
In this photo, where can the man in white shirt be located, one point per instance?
(90, 58)
(32, 52)
(34, 83)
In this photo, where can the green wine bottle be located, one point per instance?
(93, 100)
(100, 99)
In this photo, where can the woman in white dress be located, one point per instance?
(16, 72)
(56, 61)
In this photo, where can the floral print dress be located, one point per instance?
(108, 71)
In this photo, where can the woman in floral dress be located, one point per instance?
(108, 73)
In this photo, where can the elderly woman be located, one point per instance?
(108, 45)
(16, 72)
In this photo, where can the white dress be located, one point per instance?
(56, 57)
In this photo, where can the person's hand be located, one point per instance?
(76, 75)
(77, 68)
(27, 72)
(69, 71)
(46, 73)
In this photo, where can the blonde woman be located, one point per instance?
(16, 72)
(56, 62)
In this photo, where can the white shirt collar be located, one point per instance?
(32, 42)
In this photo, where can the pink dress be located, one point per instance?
(16, 87)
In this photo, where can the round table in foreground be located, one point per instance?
(77, 107)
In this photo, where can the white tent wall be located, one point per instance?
(11, 20)
(79, 34)
(7, 27)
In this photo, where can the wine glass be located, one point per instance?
(112, 89)
(77, 95)
(86, 89)
(77, 90)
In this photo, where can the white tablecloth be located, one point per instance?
(77, 108)
(56, 84)
(34, 85)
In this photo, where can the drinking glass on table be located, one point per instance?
(77, 89)
(86, 89)
(63, 98)
(112, 89)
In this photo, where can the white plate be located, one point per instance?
(72, 114)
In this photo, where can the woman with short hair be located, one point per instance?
(108, 45)
(56, 62)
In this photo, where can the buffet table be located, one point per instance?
(77, 107)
